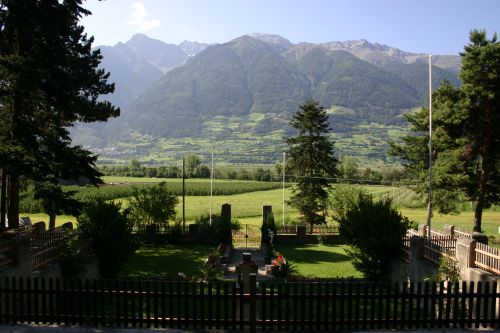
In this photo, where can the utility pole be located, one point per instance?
(183, 194)
(3, 201)
(211, 187)
(429, 205)
(284, 180)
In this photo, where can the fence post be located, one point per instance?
(449, 229)
(24, 262)
(39, 227)
(194, 232)
(422, 230)
(253, 303)
(67, 225)
(480, 237)
(466, 255)
(416, 255)
(301, 232)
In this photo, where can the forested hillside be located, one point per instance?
(249, 86)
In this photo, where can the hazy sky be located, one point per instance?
(427, 26)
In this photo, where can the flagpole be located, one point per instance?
(211, 187)
(284, 180)
(429, 205)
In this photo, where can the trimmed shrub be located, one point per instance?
(374, 230)
(110, 233)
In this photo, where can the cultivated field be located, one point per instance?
(247, 198)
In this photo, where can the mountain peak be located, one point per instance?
(192, 48)
(139, 36)
(277, 41)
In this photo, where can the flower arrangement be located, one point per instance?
(280, 267)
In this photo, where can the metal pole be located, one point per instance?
(211, 187)
(429, 205)
(183, 194)
(284, 180)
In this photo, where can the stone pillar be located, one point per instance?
(39, 227)
(225, 215)
(422, 230)
(266, 211)
(301, 233)
(416, 255)
(480, 237)
(67, 225)
(194, 232)
(416, 248)
(449, 230)
(466, 255)
(22, 254)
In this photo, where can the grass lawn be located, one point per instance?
(167, 260)
(247, 207)
(60, 220)
(320, 260)
(464, 220)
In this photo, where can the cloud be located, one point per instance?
(147, 25)
(139, 18)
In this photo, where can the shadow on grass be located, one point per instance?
(313, 254)
(167, 260)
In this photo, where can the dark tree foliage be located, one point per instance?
(480, 74)
(153, 206)
(110, 232)
(449, 180)
(466, 134)
(56, 201)
(49, 81)
(311, 158)
(374, 231)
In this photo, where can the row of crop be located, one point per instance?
(192, 188)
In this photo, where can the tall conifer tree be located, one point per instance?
(466, 134)
(50, 80)
(311, 159)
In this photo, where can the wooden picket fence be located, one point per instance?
(270, 305)
(487, 258)
(438, 246)
(8, 253)
(325, 229)
(46, 246)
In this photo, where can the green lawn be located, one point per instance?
(167, 260)
(320, 260)
(464, 220)
(247, 208)
(61, 219)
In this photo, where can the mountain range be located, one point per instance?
(236, 98)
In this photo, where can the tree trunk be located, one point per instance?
(3, 201)
(483, 182)
(13, 201)
(52, 216)
(52, 221)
